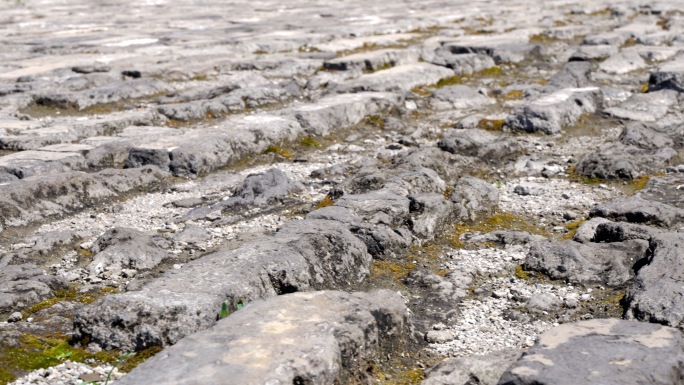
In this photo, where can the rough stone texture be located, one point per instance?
(429, 212)
(401, 78)
(572, 75)
(480, 143)
(473, 198)
(110, 93)
(53, 196)
(302, 256)
(656, 294)
(648, 107)
(121, 248)
(372, 61)
(641, 211)
(482, 370)
(24, 285)
(668, 76)
(605, 351)
(340, 111)
(267, 188)
(609, 264)
(302, 338)
(551, 113)
(460, 97)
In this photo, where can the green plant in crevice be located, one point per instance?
(224, 310)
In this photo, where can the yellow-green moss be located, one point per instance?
(498, 221)
(489, 72)
(376, 121)
(308, 141)
(579, 178)
(521, 274)
(421, 91)
(644, 88)
(448, 191)
(138, 358)
(393, 269)
(200, 77)
(454, 80)
(491, 124)
(327, 201)
(572, 228)
(35, 352)
(405, 376)
(71, 294)
(512, 95)
(542, 39)
(279, 150)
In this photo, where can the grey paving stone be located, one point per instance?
(317, 338)
(615, 352)
(551, 113)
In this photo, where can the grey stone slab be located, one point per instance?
(34, 163)
(640, 211)
(373, 60)
(459, 97)
(302, 256)
(24, 285)
(474, 199)
(109, 93)
(123, 248)
(656, 294)
(302, 338)
(340, 111)
(482, 370)
(648, 107)
(585, 263)
(512, 47)
(32, 201)
(605, 351)
(551, 113)
(594, 52)
(623, 62)
(400, 78)
(668, 76)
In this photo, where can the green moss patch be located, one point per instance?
(498, 221)
(71, 294)
(279, 150)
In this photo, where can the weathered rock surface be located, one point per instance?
(302, 256)
(551, 113)
(32, 201)
(656, 294)
(609, 264)
(121, 248)
(484, 370)
(607, 351)
(473, 198)
(24, 285)
(303, 338)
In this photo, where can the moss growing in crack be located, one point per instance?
(491, 124)
(644, 88)
(71, 294)
(396, 270)
(420, 91)
(498, 221)
(375, 121)
(512, 95)
(454, 80)
(408, 376)
(279, 150)
(310, 142)
(542, 39)
(325, 202)
(520, 273)
(574, 176)
(572, 229)
(489, 72)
